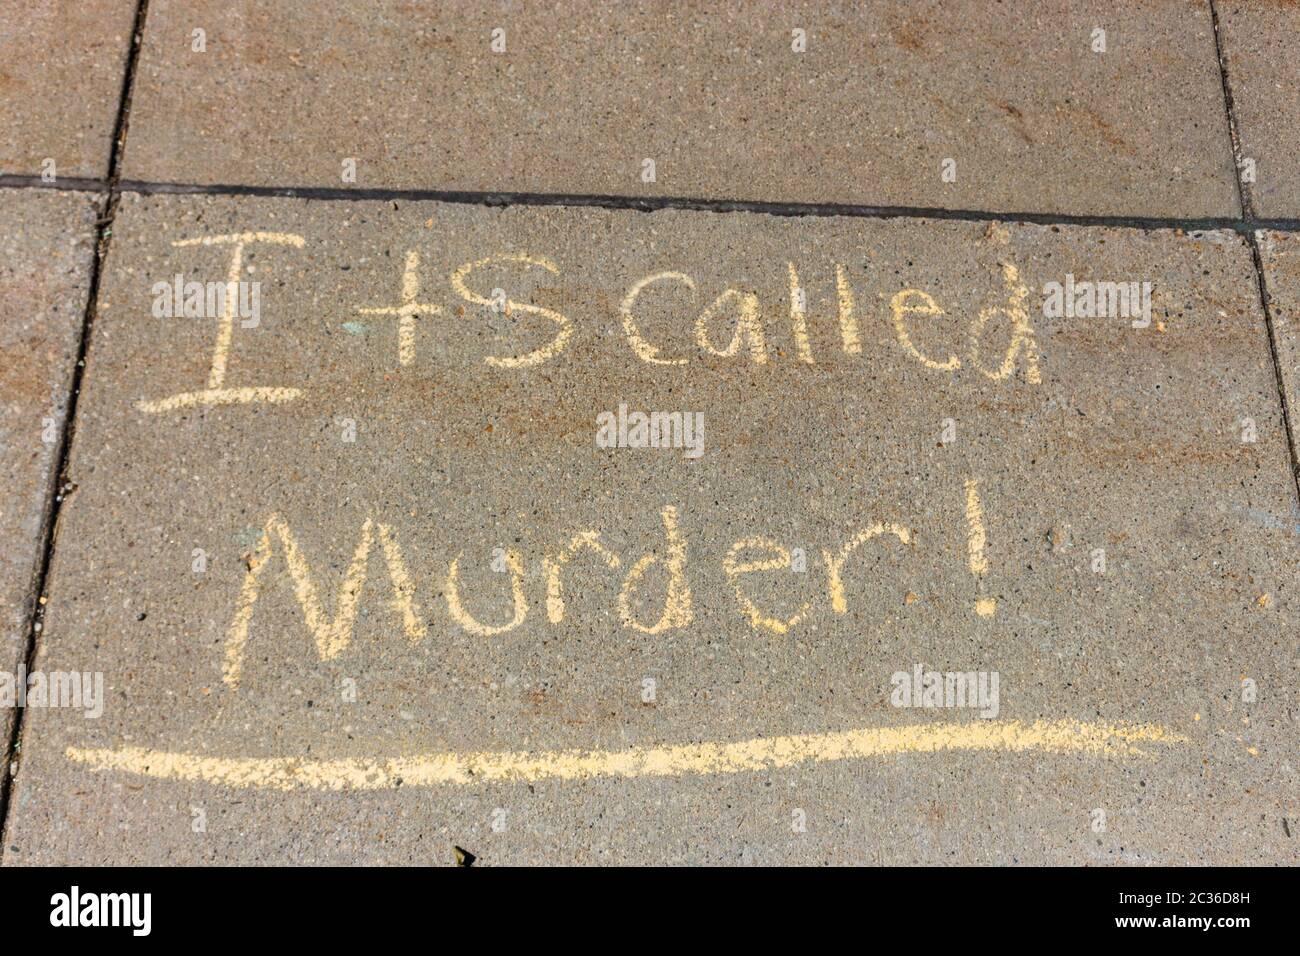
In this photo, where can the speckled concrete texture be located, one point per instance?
(1280, 254)
(1136, 538)
(1052, 106)
(46, 248)
(61, 69)
(1260, 42)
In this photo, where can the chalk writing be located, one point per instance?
(738, 310)
(747, 556)
(216, 393)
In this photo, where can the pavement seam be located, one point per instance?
(1246, 201)
(55, 494)
(70, 183)
(499, 199)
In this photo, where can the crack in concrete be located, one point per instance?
(60, 479)
(1246, 201)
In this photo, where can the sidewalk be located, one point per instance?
(969, 335)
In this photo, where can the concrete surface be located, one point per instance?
(1260, 38)
(61, 69)
(1124, 439)
(714, 94)
(361, 583)
(47, 241)
(1280, 253)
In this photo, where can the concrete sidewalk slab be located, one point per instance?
(368, 585)
(62, 63)
(872, 110)
(1260, 39)
(47, 241)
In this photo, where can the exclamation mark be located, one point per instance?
(975, 541)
